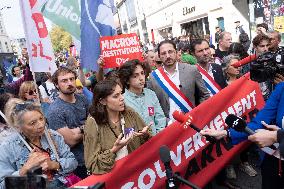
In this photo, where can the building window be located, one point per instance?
(221, 23)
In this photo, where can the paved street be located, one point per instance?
(243, 180)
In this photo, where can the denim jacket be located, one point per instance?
(14, 154)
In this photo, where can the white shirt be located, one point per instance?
(51, 90)
(17, 78)
(175, 79)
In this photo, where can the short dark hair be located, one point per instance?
(61, 70)
(102, 89)
(264, 25)
(196, 42)
(237, 49)
(13, 70)
(259, 38)
(126, 71)
(165, 42)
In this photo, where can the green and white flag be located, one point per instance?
(66, 14)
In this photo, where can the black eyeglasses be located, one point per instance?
(31, 92)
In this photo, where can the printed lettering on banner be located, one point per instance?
(191, 155)
(118, 49)
(38, 41)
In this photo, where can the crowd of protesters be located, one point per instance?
(72, 123)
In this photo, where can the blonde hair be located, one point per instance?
(14, 116)
(26, 87)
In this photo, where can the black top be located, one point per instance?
(221, 54)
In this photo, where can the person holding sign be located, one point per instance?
(144, 101)
(271, 168)
(112, 129)
(178, 86)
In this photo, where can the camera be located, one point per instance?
(267, 66)
(33, 180)
(36, 180)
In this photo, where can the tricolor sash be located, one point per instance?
(172, 90)
(210, 84)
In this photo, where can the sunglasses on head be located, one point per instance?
(22, 106)
(31, 92)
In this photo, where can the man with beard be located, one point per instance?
(178, 86)
(209, 70)
(67, 115)
(215, 81)
(275, 40)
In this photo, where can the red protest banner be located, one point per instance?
(193, 157)
(119, 49)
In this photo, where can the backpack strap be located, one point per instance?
(45, 88)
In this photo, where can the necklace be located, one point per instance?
(116, 121)
(121, 123)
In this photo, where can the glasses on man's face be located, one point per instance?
(170, 52)
(31, 92)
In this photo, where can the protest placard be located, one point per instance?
(119, 49)
(38, 41)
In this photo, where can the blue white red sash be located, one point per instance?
(172, 90)
(210, 84)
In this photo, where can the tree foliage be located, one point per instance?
(60, 39)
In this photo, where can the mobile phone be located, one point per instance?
(128, 131)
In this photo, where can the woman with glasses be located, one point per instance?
(33, 145)
(28, 91)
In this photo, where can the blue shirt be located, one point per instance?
(272, 112)
(14, 154)
(148, 107)
(72, 115)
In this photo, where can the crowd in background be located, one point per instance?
(74, 123)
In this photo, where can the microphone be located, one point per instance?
(180, 117)
(240, 125)
(166, 159)
(244, 61)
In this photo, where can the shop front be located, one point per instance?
(160, 24)
(192, 18)
(196, 28)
